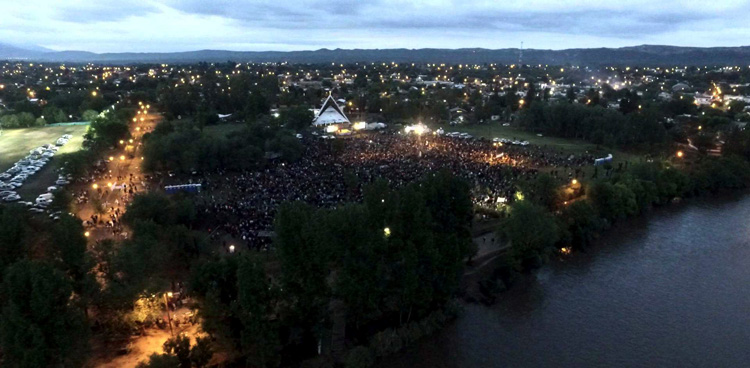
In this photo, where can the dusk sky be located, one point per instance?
(181, 25)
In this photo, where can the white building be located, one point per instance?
(329, 114)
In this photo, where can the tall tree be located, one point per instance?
(38, 325)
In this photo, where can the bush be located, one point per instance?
(359, 357)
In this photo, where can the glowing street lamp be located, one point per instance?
(387, 232)
(574, 182)
(231, 249)
(86, 234)
(680, 154)
(122, 158)
(95, 186)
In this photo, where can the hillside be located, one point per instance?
(641, 55)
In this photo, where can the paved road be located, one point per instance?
(124, 167)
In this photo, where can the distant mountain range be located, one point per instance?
(636, 55)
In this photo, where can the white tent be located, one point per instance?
(330, 113)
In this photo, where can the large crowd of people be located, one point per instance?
(105, 195)
(243, 205)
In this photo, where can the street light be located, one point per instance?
(574, 181)
(387, 231)
(231, 249)
(680, 154)
(86, 234)
(122, 158)
(95, 186)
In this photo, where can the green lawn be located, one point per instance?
(496, 130)
(16, 144)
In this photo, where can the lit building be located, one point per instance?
(330, 114)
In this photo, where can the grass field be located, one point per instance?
(562, 144)
(16, 144)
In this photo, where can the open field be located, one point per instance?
(16, 143)
(496, 130)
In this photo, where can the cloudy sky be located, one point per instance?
(180, 25)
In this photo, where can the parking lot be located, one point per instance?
(30, 160)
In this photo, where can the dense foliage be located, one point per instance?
(44, 292)
(534, 232)
(595, 124)
(184, 148)
(350, 271)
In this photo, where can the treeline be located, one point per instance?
(341, 274)
(55, 291)
(105, 132)
(45, 288)
(594, 124)
(185, 148)
(545, 222)
(59, 104)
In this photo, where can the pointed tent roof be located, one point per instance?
(330, 113)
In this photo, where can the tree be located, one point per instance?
(543, 190)
(38, 325)
(581, 222)
(89, 115)
(13, 234)
(255, 306)
(69, 247)
(613, 201)
(179, 354)
(296, 118)
(532, 230)
(570, 94)
(105, 131)
(304, 258)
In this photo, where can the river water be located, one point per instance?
(671, 289)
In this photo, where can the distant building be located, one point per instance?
(329, 114)
(703, 99)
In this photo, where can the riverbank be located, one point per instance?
(648, 292)
(622, 198)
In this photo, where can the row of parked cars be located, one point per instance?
(13, 178)
(509, 141)
(459, 135)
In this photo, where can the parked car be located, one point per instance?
(11, 198)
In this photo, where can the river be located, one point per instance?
(671, 289)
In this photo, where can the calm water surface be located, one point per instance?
(669, 290)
